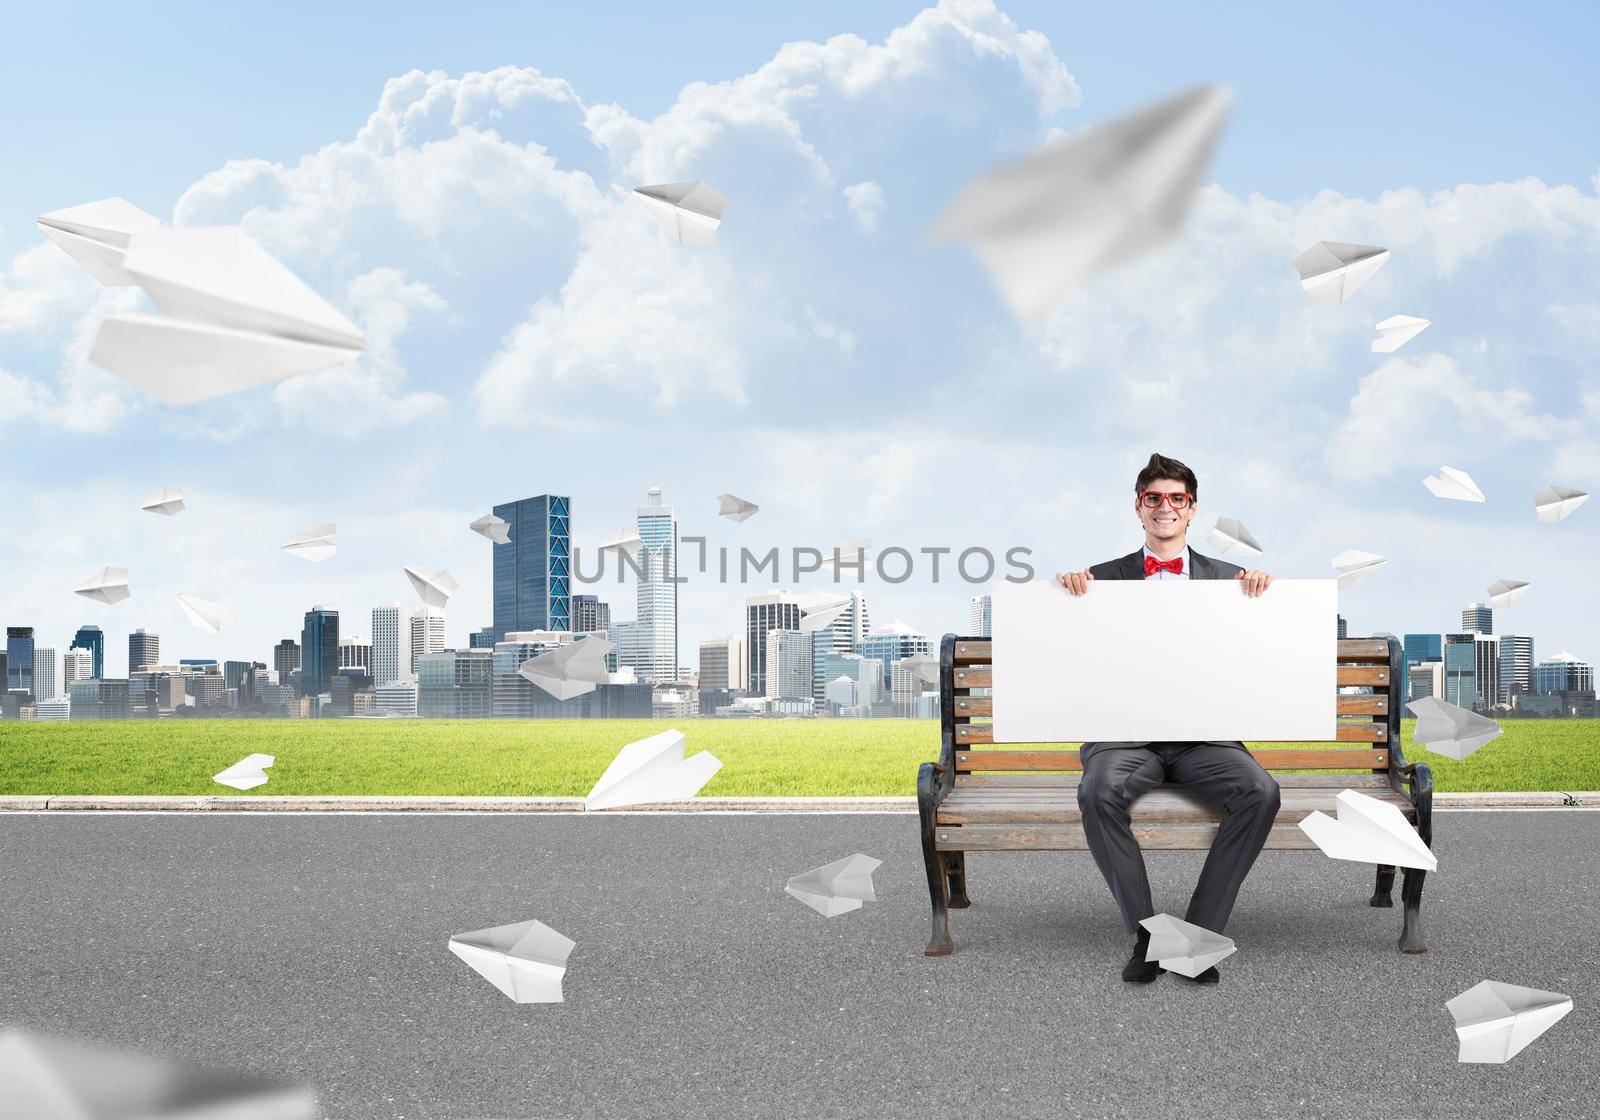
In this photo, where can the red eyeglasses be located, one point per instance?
(1151, 499)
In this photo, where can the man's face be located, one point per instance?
(1164, 523)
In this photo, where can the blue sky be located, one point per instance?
(531, 332)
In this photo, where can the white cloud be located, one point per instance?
(845, 340)
(867, 205)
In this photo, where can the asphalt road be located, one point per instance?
(314, 947)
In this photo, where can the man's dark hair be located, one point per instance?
(1160, 466)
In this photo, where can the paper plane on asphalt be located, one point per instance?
(1356, 567)
(314, 542)
(1446, 729)
(232, 317)
(1368, 831)
(1495, 1022)
(1230, 537)
(1084, 204)
(1504, 592)
(209, 617)
(571, 669)
(1331, 271)
(96, 236)
(497, 529)
(735, 508)
(838, 887)
(1456, 485)
(247, 773)
(690, 211)
(525, 960)
(108, 585)
(168, 501)
(850, 554)
(1397, 330)
(1555, 503)
(1182, 947)
(435, 585)
(651, 770)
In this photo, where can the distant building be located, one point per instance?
(515, 696)
(1425, 679)
(658, 587)
(355, 653)
(456, 684)
(1461, 670)
(632, 643)
(233, 672)
(840, 693)
(76, 665)
(532, 571)
(1563, 673)
(144, 648)
(841, 635)
(589, 613)
(398, 698)
(286, 659)
(673, 702)
(723, 665)
(19, 659)
(1417, 649)
(482, 638)
(46, 675)
(427, 634)
(91, 639)
(980, 617)
(319, 650)
(1344, 628)
(777, 610)
(54, 710)
(788, 666)
(98, 698)
(1476, 618)
(386, 643)
(1488, 669)
(894, 641)
(1516, 666)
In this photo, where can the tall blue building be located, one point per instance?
(19, 659)
(532, 571)
(1416, 649)
(91, 639)
(1461, 670)
(319, 651)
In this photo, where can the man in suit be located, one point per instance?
(1115, 775)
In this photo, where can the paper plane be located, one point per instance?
(1331, 271)
(314, 542)
(925, 666)
(1504, 592)
(1182, 947)
(626, 542)
(838, 887)
(735, 508)
(1453, 484)
(209, 617)
(96, 236)
(1356, 567)
(652, 769)
(168, 501)
(691, 211)
(1448, 730)
(497, 529)
(1554, 503)
(246, 773)
(108, 585)
(1397, 330)
(1084, 204)
(1495, 1022)
(849, 553)
(1230, 537)
(571, 669)
(525, 960)
(1368, 831)
(435, 585)
(232, 317)
(820, 610)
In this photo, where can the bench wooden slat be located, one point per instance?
(979, 650)
(1069, 837)
(1373, 705)
(1346, 676)
(1270, 759)
(970, 733)
(1057, 780)
(1165, 807)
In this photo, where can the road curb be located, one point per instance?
(249, 803)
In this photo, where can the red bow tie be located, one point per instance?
(1152, 565)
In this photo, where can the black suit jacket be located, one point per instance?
(1131, 566)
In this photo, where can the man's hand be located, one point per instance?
(1075, 582)
(1254, 583)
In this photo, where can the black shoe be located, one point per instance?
(1138, 970)
(1209, 976)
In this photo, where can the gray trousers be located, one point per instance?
(1115, 775)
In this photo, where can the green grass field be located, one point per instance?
(554, 758)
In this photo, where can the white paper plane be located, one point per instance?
(96, 236)
(690, 211)
(1086, 203)
(848, 553)
(1555, 503)
(650, 770)
(247, 773)
(1231, 537)
(925, 666)
(1495, 1022)
(1504, 592)
(168, 501)
(525, 960)
(435, 585)
(210, 617)
(1356, 567)
(497, 529)
(1368, 831)
(1185, 948)
(232, 317)
(108, 585)
(1456, 485)
(820, 609)
(1397, 330)
(571, 669)
(1331, 271)
(735, 508)
(626, 542)
(1449, 730)
(838, 887)
(314, 542)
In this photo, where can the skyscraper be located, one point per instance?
(980, 621)
(319, 645)
(894, 641)
(91, 639)
(842, 635)
(589, 613)
(355, 653)
(1488, 670)
(143, 649)
(788, 665)
(658, 588)
(1476, 618)
(427, 635)
(286, 659)
(1516, 665)
(777, 610)
(19, 659)
(532, 571)
(723, 665)
(1343, 627)
(46, 679)
(76, 665)
(1419, 649)
(1461, 670)
(386, 644)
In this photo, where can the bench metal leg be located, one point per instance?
(940, 867)
(1411, 897)
(956, 867)
(1383, 894)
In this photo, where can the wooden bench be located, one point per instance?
(998, 800)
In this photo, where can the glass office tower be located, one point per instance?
(319, 651)
(532, 571)
(19, 659)
(91, 639)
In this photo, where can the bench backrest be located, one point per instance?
(1370, 717)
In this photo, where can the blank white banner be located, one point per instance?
(1164, 661)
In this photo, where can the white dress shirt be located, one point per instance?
(1188, 560)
